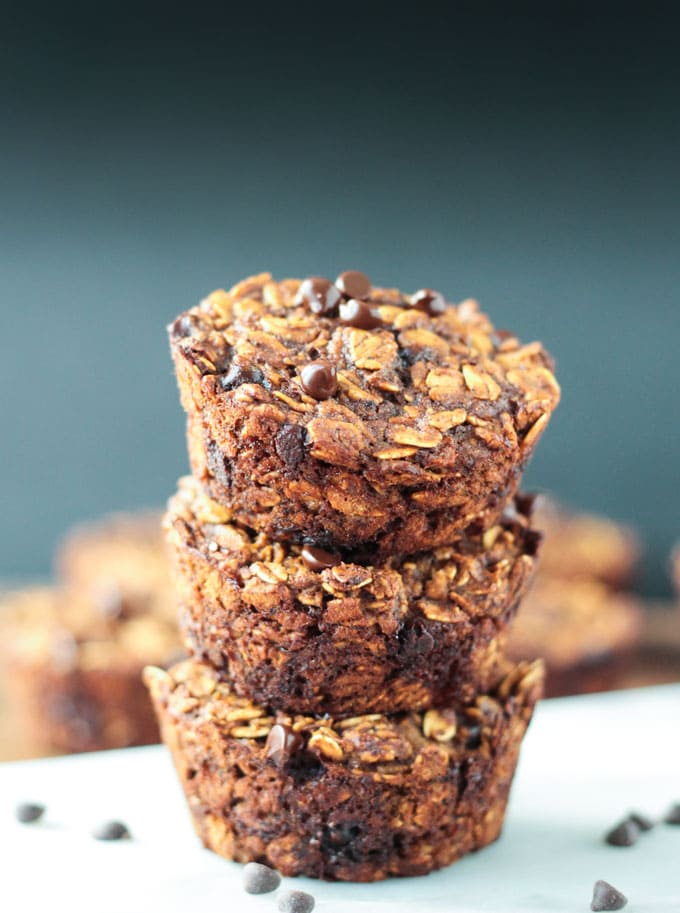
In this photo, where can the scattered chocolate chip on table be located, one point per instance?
(295, 902)
(643, 822)
(29, 812)
(607, 897)
(111, 830)
(260, 879)
(672, 816)
(625, 833)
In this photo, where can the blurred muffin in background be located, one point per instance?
(119, 565)
(585, 632)
(581, 545)
(658, 660)
(576, 615)
(675, 569)
(72, 654)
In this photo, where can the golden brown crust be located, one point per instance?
(359, 799)
(351, 638)
(432, 422)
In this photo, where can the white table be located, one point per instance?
(586, 762)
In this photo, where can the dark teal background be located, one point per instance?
(526, 155)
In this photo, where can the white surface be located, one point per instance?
(586, 762)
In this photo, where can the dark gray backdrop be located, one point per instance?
(526, 156)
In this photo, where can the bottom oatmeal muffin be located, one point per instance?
(354, 799)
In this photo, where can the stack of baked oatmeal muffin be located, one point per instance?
(349, 553)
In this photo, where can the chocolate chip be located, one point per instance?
(295, 902)
(498, 337)
(607, 897)
(353, 284)
(28, 812)
(260, 879)
(415, 640)
(424, 643)
(642, 821)
(289, 444)
(319, 379)
(532, 541)
(672, 816)
(625, 833)
(281, 744)
(426, 299)
(111, 830)
(474, 738)
(359, 314)
(524, 503)
(319, 295)
(339, 834)
(209, 355)
(218, 465)
(187, 325)
(317, 559)
(241, 374)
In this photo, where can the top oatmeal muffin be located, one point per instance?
(357, 418)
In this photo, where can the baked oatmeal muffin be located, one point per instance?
(585, 631)
(342, 414)
(675, 568)
(74, 653)
(357, 799)
(73, 675)
(304, 630)
(119, 564)
(578, 544)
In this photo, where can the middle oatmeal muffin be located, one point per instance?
(303, 630)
